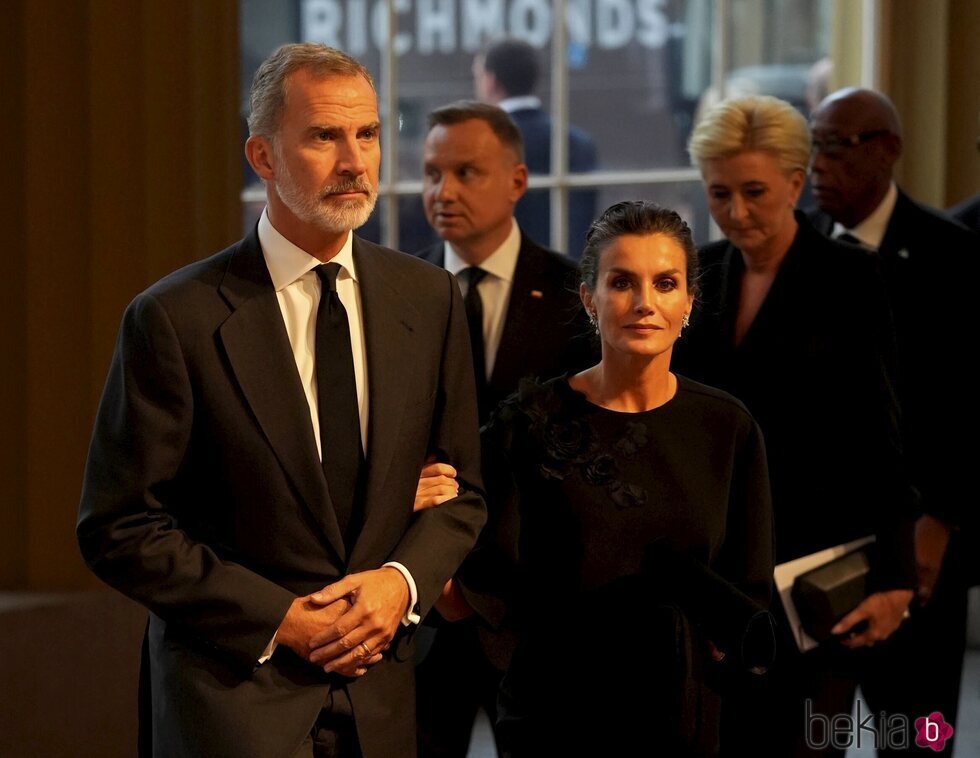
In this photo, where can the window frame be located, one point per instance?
(560, 181)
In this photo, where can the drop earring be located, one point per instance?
(593, 319)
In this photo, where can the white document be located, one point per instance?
(785, 574)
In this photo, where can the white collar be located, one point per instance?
(287, 263)
(872, 230)
(519, 103)
(501, 262)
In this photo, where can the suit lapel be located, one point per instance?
(892, 245)
(255, 341)
(527, 299)
(729, 293)
(389, 327)
(770, 326)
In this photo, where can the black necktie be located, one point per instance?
(340, 423)
(474, 318)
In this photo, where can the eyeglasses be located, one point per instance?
(834, 147)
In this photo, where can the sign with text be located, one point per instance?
(449, 26)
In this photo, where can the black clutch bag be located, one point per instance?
(824, 595)
(733, 621)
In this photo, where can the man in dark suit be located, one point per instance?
(258, 446)
(532, 323)
(525, 320)
(505, 74)
(856, 142)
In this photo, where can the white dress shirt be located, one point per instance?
(871, 231)
(298, 292)
(494, 288)
(519, 103)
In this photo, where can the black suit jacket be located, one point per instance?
(930, 267)
(204, 498)
(546, 331)
(967, 213)
(815, 370)
(533, 211)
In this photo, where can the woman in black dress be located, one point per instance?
(797, 326)
(630, 539)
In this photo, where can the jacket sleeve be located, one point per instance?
(893, 501)
(439, 538)
(128, 529)
(488, 577)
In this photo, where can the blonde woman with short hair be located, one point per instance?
(797, 327)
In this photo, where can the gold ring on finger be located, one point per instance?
(366, 649)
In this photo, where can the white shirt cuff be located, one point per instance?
(269, 649)
(411, 615)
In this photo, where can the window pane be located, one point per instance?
(440, 71)
(414, 232)
(687, 198)
(533, 213)
(780, 48)
(636, 72)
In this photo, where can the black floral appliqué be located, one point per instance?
(600, 471)
(636, 438)
(569, 443)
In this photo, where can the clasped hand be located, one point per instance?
(346, 626)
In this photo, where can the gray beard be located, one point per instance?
(331, 216)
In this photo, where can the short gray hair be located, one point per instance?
(267, 99)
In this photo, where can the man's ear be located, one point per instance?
(493, 86)
(258, 151)
(519, 182)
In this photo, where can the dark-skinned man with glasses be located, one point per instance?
(857, 139)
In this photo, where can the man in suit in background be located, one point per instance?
(856, 141)
(258, 446)
(531, 321)
(525, 320)
(505, 74)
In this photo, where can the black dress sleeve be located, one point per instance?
(747, 554)
(487, 577)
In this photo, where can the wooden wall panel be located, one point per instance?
(125, 165)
